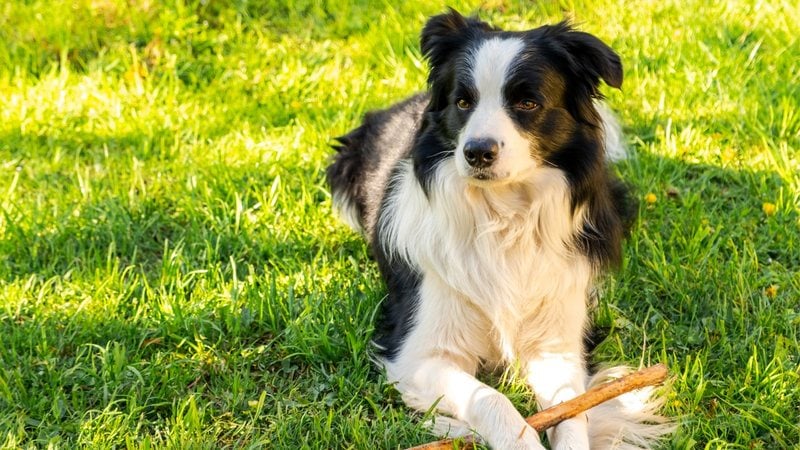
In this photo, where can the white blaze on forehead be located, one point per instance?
(490, 66)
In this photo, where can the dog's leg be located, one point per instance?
(556, 370)
(436, 366)
(441, 381)
(555, 378)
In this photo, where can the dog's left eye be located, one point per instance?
(463, 104)
(527, 105)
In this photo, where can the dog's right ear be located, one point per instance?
(442, 37)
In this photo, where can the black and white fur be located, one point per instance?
(490, 210)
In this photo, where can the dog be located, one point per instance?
(491, 211)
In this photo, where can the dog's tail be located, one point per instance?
(366, 157)
(630, 421)
(613, 139)
(344, 177)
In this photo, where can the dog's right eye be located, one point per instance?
(463, 104)
(527, 105)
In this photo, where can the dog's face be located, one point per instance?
(508, 102)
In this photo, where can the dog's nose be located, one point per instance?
(480, 152)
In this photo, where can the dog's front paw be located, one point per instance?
(571, 443)
(527, 439)
(570, 435)
(449, 427)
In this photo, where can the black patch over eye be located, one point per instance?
(526, 105)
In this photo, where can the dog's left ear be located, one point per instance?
(594, 57)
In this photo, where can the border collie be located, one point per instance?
(491, 211)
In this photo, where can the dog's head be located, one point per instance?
(508, 102)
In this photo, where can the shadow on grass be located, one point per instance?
(135, 203)
(138, 303)
(95, 27)
(706, 230)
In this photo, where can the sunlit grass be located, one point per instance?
(171, 274)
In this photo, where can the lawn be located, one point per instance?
(172, 276)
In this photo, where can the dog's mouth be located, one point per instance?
(484, 177)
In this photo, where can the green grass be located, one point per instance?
(171, 275)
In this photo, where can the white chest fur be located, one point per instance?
(504, 249)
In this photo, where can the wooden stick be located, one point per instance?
(554, 415)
